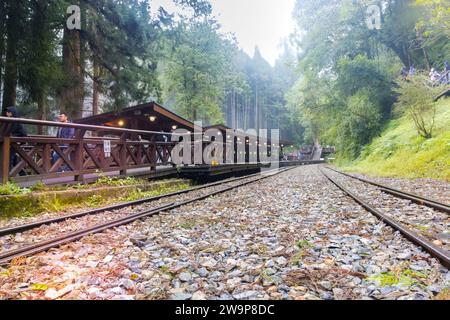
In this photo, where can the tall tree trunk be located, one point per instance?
(71, 96)
(427, 60)
(83, 49)
(2, 38)
(95, 88)
(12, 28)
(194, 108)
(42, 112)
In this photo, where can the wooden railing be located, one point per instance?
(46, 157)
(442, 80)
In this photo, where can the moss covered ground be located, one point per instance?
(401, 152)
(20, 202)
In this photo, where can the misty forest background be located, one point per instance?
(337, 81)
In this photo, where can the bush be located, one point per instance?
(11, 188)
(416, 100)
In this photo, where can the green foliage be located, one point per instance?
(40, 186)
(95, 201)
(190, 224)
(406, 277)
(115, 182)
(10, 188)
(139, 194)
(346, 108)
(124, 41)
(118, 47)
(437, 20)
(195, 76)
(23, 205)
(360, 123)
(416, 100)
(400, 152)
(363, 76)
(347, 90)
(40, 72)
(301, 244)
(339, 90)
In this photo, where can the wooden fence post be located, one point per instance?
(4, 159)
(46, 157)
(153, 154)
(123, 155)
(5, 151)
(79, 154)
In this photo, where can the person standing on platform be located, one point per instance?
(63, 133)
(17, 130)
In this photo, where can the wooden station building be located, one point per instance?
(148, 117)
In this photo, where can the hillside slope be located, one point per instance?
(401, 152)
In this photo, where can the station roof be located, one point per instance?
(223, 129)
(149, 117)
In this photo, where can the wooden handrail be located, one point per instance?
(81, 126)
(439, 80)
(87, 127)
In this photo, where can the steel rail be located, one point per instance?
(429, 247)
(402, 194)
(36, 224)
(35, 248)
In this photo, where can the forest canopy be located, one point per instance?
(351, 75)
(125, 54)
(337, 82)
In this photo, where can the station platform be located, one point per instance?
(204, 171)
(164, 172)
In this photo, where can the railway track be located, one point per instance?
(428, 246)
(34, 248)
(401, 194)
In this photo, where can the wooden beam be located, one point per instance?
(132, 155)
(94, 159)
(79, 154)
(65, 156)
(22, 164)
(123, 155)
(27, 158)
(47, 158)
(4, 159)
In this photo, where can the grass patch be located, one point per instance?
(137, 194)
(401, 152)
(10, 188)
(25, 205)
(304, 244)
(265, 274)
(399, 276)
(116, 182)
(166, 270)
(188, 225)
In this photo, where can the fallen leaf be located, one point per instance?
(39, 287)
(134, 276)
(5, 273)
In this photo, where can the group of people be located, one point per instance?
(292, 156)
(443, 77)
(18, 130)
(436, 78)
(405, 73)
